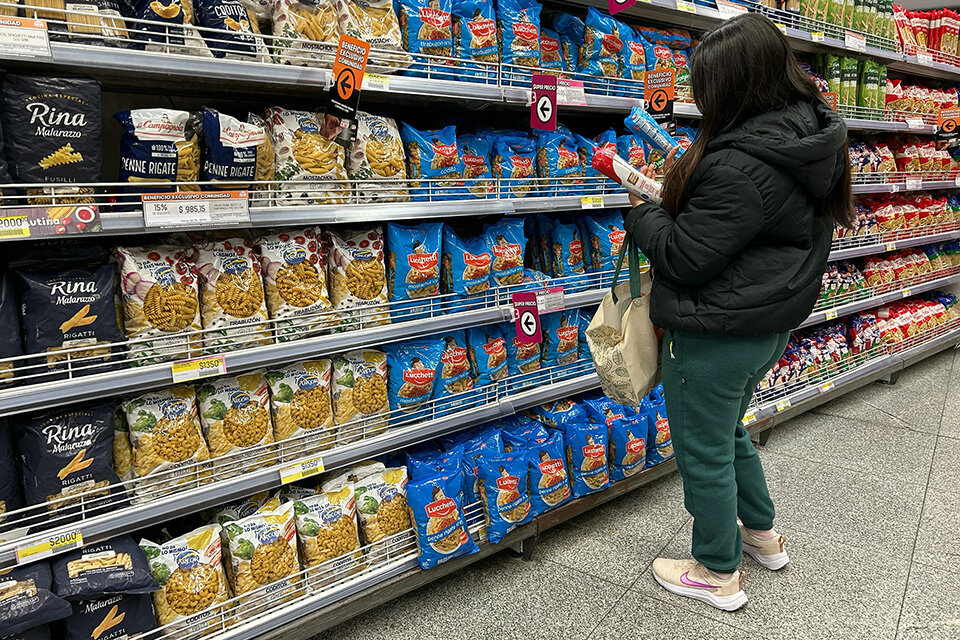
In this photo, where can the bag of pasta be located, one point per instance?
(26, 599)
(586, 447)
(507, 243)
(426, 28)
(561, 341)
(435, 167)
(487, 351)
(466, 268)
(327, 534)
(190, 574)
(374, 21)
(381, 502)
(413, 261)
(310, 168)
(603, 43)
(238, 30)
(261, 549)
(359, 387)
(549, 484)
(10, 497)
(477, 153)
(261, 191)
(628, 447)
(158, 145)
(436, 505)
(166, 438)
(456, 375)
(307, 30)
(168, 27)
(376, 161)
(522, 357)
(475, 38)
(558, 160)
(514, 165)
(159, 291)
(10, 345)
(604, 237)
(519, 25)
(229, 149)
(231, 294)
(358, 281)
(300, 403)
(504, 491)
(123, 616)
(413, 366)
(294, 266)
(235, 416)
(117, 566)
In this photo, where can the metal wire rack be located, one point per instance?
(866, 293)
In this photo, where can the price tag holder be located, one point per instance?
(591, 202)
(906, 293)
(550, 300)
(729, 9)
(194, 208)
(914, 185)
(14, 227)
(826, 386)
(684, 5)
(855, 41)
(956, 182)
(894, 188)
(915, 123)
(749, 418)
(24, 39)
(40, 548)
(300, 470)
(925, 57)
(782, 27)
(831, 315)
(376, 82)
(890, 246)
(818, 36)
(571, 92)
(206, 367)
(783, 405)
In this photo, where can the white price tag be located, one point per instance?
(14, 227)
(47, 546)
(915, 123)
(826, 386)
(591, 202)
(906, 293)
(550, 300)
(189, 209)
(956, 181)
(894, 188)
(925, 57)
(729, 9)
(571, 92)
(300, 470)
(890, 246)
(197, 368)
(783, 404)
(830, 315)
(684, 5)
(914, 185)
(855, 41)
(749, 418)
(818, 36)
(376, 82)
(24, 39)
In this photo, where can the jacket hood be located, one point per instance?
(807, 140)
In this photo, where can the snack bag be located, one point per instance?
(602, 45)
(308, 31)
(238, 35)
(434, 164)
(504, 491)
(477, 153)
(549, 486)
(235, 415)
(487, 351)
(190, 575)
(586, 448)
(519, 26)
(514, 164)
(376, 160)
(628, 447)
(27, 601)
(327, 529)
(436, 506)
(158, 145)
(159, 291)
(114, 567)
(382, 509)
(309, 167)
(466, 264)
(522, 357)
(294, 267)
(456, 373)
(374, 21)
(300, 402)
(413, 366)
(475, 38)
(604, 237)
(560, 337)
(413, 265)
(359, 388)
(125, 615)
(506, 242)
(262, 549)
(558, 160)
(358, 282)
(166, 438)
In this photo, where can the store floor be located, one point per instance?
(867, 489)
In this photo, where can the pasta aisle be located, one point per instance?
(259, 364)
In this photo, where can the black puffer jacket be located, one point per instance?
(747, 253)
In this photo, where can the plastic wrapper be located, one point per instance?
(300, 402)
(310, 168)
(436, 504)
(504, 491)
(358, 278)
(117, 566)
(359, 388)
(586, 455)
(376, 160)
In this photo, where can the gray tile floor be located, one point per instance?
(867, 489)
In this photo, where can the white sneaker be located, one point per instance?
(770, 553)
(691, 579)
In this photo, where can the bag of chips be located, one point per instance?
(561, 331)
(327, 529)
(191, 578)
(504, 491)
(360, 403)
(522, 357)
(300, 403)
(487, 351)
(308, 30)
(435, 166)
(586, 445)
(519, 24)
(514, 165)
(310, 168)
(475, 38)
(606, 235)
(358, 276)
(374, 21)
(109, 568)
(294, 267)
(158, 145)
(382, 509)
(235, 415)
(26, 599)
(413, 366)
(238, 30)
(122, 616)
(507, 243)
(261, 549)
(549, 486)
(436, 504)
(477, 154)
(376, 160)
(413, 266)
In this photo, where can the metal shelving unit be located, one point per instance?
(856, 246)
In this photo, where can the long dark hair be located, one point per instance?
(743, 68)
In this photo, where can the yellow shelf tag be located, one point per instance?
(783, 404)
(38, 549)
(591, 202)
(826, 386)
(197, 368)
(749, 418)
(300, 470)
(831, 314)
(14, 227)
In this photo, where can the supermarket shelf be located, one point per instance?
(879, 120)
(878, 247)
(839, 311)
(901, 185)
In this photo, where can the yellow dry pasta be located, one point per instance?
(376, 161)
(301, 404)
(63, 155)
(327, 531)
(235, 414)
(310, 168)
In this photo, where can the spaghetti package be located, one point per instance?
(128, 616)
(604, 238)
(158, 145)
(413, 367)
(475, 37)
(26, 599)
(374, 21)
(115, 567)
(514, 164)
(586, 449)
(436, 504)
(519, 25)
(235, 416)
(238, 36)
(230, 148)
(231, 294)
(549, 485)
(504, 491)
(559, 162)
(310, 167)
(602, 45)
(358, 278)
(522, 357)
(300, 402)
(158, 286)
(376, 160)
(466, 264)
(561, 331)
(359, 390)
(262, 549)
(477, 154)
(308, 29)
(413, 262)
(294, 267)
(487, 350)
(507, 243)
(435, 166)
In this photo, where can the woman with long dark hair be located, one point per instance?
(738, 249)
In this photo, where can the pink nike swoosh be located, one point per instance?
(693, 583)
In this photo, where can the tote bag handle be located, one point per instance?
(628, 249)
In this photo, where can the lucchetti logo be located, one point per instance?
(474, 161)
(435, 17)
(454, 355)
(594, 451)
(526, 30)
(551, 467)
(482, 28)
(568, 333)
(508, 483)
(506, 250)
(445, 149)
(636, 47)
(440, 508)
(477, 260)
(522, 162)
(497, 346)
(662, 52)
(638, 445)
(549, 45)
(680, 58)
(422, 261)
(576, 247)
(662, 425)
(612, 43)
(636, 155)
(418, 377)
(617, 235)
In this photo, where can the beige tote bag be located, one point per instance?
(623, 341)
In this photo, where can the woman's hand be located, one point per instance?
(671, 157)
(649, 172)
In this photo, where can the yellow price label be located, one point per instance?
(906, 293)
(831, 314)
(749, 418)
(689, 7)
(376, 81)
(40, 548)
(300, 470)
(826, 386)
(890, 246)
(782, 27)
(197, 368)
(591, 202)
(818, 36)
(14, 227)
(783, 404)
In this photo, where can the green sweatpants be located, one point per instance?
(708, 381)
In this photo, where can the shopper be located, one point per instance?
(738, 249)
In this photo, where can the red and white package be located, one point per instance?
(607, 162)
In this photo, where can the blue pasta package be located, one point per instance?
(522, 357)
(157, 145)
(551, 55)
(543, 236)
(586, 449)
(466, 270)
(523, 436)
(659, 441)
(436, 503)
(628, 447)
(489, 442)
(634, 57)
(560, 331)
(519, 22)
(605, 411)
(433, 162)
(428, 462)
(507, 243)
(601, 45)
(549, 483)
(504, 480)
(514, 164)
(605, 236)
(475, 39)
(413, 268)
(584, 348)
(456, 375)
(426, 28)
(413, 366)
(566, 249)
(558, 163)
(571, 30)
(476, 151)
(556, 415)
(487, 351)
(237, 35)
(633, 149)
(230, 148)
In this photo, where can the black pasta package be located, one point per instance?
(26, 600)
(238, 33)
(67, 452)
(51, 128)
(229, 149)
(71, 309)
(115, 618)
(10, 499)
(34, 633)
(115, 567)
(10, 345)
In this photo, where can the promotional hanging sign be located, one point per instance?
(340, 121)
(543, 102)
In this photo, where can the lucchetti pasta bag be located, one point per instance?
(465, 265)
(374, 21)
(359, 388)
(117, 566)
(382, 508)
(561, 340)
(413, 366)
(515, 165)
(586, 448)
(358, 279)
(158, 145)
(294, 267)
(519, 24)
(191, 578)
(603, 44)
(659, 440)
(549, 485)
(122, 616)
(566, 249)
(158, 286)
(605, 235)
(166, 437)
(628, 447)
(477, 154)
(67, 452)
(231, 294)
(522, 357)
(300, 401)
(456, 374)
(571, 30)
(311, 168)
(475, 37)
(238, 35)
(376, 160)
(327, 529)
(413, 266)
(551, 56)
(426, 28)
(235, 415)
(487, 350)
(26, 599)
(261, 549)
(504, 491)
(507, 243)
(435, 167)
(559, 162)
(436, 507)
